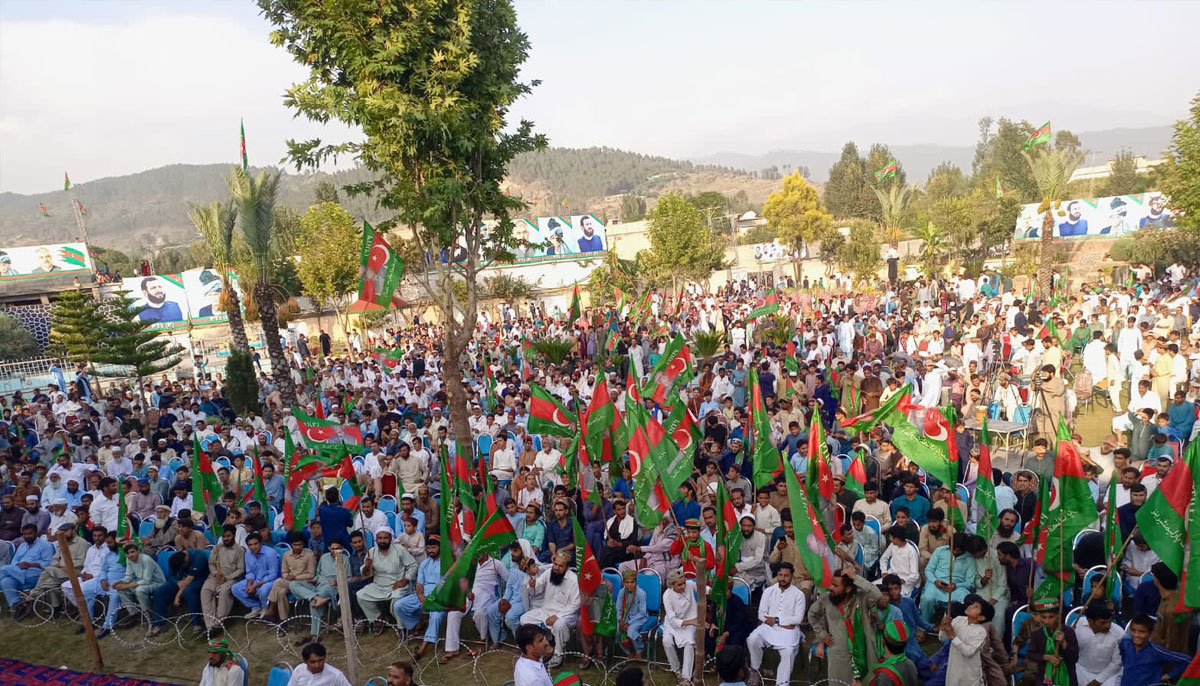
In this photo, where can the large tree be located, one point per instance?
(254, 198)
(131, 346)
(430, 84)
(76, 328)
(1051, 169)
(894, 215)
(216, 223)
(1181, 178)
(795, 214)
(329, 245)
(681, 245)
(848, 193)
(998, 158)
(16, 343)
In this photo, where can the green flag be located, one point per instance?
(1039, 136)
(379, 271)
(1164, 519)
(765, 456)
(985, 488)
(493, 534)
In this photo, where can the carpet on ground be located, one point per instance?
(16, 673)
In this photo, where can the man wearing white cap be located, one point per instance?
(59, 515)
(392, 570)
(408, 508)
(52, 577)
(55, 488)
(120, 465)
(560, 604)
(35, 515)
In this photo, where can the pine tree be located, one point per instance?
(77, 330)
(131, 346)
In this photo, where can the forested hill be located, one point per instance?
(147, 211)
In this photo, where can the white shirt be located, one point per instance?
(901, 561)
(561, 600)
(678, 608)
(104, 511)
(531, 673)
(177, 504)
(329, 676)
(225, 675)
(93, 559)
(788, 607)
(1099, 657)
(374, 523)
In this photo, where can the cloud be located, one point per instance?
(102, 100)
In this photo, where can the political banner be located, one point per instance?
(1099, 217)
(203, 288)
(775, 251)
(170, 301)
(39, 261)
(561, 236)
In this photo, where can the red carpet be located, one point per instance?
(14, 673)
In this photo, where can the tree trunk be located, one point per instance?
(1044, 262)
(237, 325)
(281, 371)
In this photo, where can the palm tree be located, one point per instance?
(1052, 169)
(893, 204)
(932, 248)
(255, 201)
(216, 223)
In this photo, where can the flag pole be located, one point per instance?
(1112, 563)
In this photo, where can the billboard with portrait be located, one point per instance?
(172, 300)
(1099, 217)
(775, 251)
(37, 261)
(561, 236)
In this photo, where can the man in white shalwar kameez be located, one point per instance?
(1099, 656)
(781, 610)
(393, 570)
(559, 609)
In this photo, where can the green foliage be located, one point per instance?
(998, 155)
(708, 343)
(945, 180)
(241, 386)
(1051, 169)
(681, 246)
(849, 191)
(606, 277)
(633, 207)
(117, 261)
(894, 210)
(130, 345)
(507, 288)
(859, 254)
(879, 156)
(76, 327)
(329, 244)
(324, 192)
(709, 200)
(1124, 178)
(554, 350)
(759, 234)
(1181, 175)
(371, 319)
(779, 330)
(16, 342)
(831, 249)
(176, 260)
(1159, 248)
(933, 248)
(795, 214)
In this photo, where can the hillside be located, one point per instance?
(919, 160)
(148, 211)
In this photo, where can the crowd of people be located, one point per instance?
(905, 591)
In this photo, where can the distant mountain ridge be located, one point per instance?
(919, 160)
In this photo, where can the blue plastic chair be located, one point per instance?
(483, 446)
(241, 660)
(164, 561)
(615, 580)
(280, 674)
(742, 592)
(428, 444)
(873, 524)
(391, 520)
(387, 504)
(537, 442)
(1092, 573)
(282, 548)
(145, 528)
(963, 494)
(649, 582)
(1021, 616)
(776, 536)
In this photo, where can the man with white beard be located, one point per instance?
(560, 605)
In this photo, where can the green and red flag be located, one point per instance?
(245, 160)
(900, 402)
(45, 212)
(765, 456)
(820, 474)
(728, 552)
(379, 272)
(790, 361)
(206, 487)
(1039, 136)
(888, 172)
(495, 533)
(808, 529)
(1164, 519)
(586, 566)
(768, 305)
(83, 213)
(576, 306)
(671, 370)
(856, 474)
(1191, 675)
(684, 428)
(649, 497)
(492, 388)
(66, 182)
(601, 423)
(567, 679)
(390, 358)
(547, 415)
(985, 488)
(940, 430)
(258, 492)
(327, 436)
(122, 515)
(642, 306)
(447, 522)
(1072, 509)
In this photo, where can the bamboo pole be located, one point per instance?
(347, 620)
(85, 610)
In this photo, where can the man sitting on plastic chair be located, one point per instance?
(111, 571)
(514, 600)
(408, 608)
(33, 554)
(781, 610)
(321, 592)
(560, 605)
(631, 614)
(484, 596)
(940, 589)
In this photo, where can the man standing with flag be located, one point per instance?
(845, 635)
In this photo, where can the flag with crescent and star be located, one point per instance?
(379, 271)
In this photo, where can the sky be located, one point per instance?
(110, 87)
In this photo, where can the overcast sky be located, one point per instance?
(106, 88)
